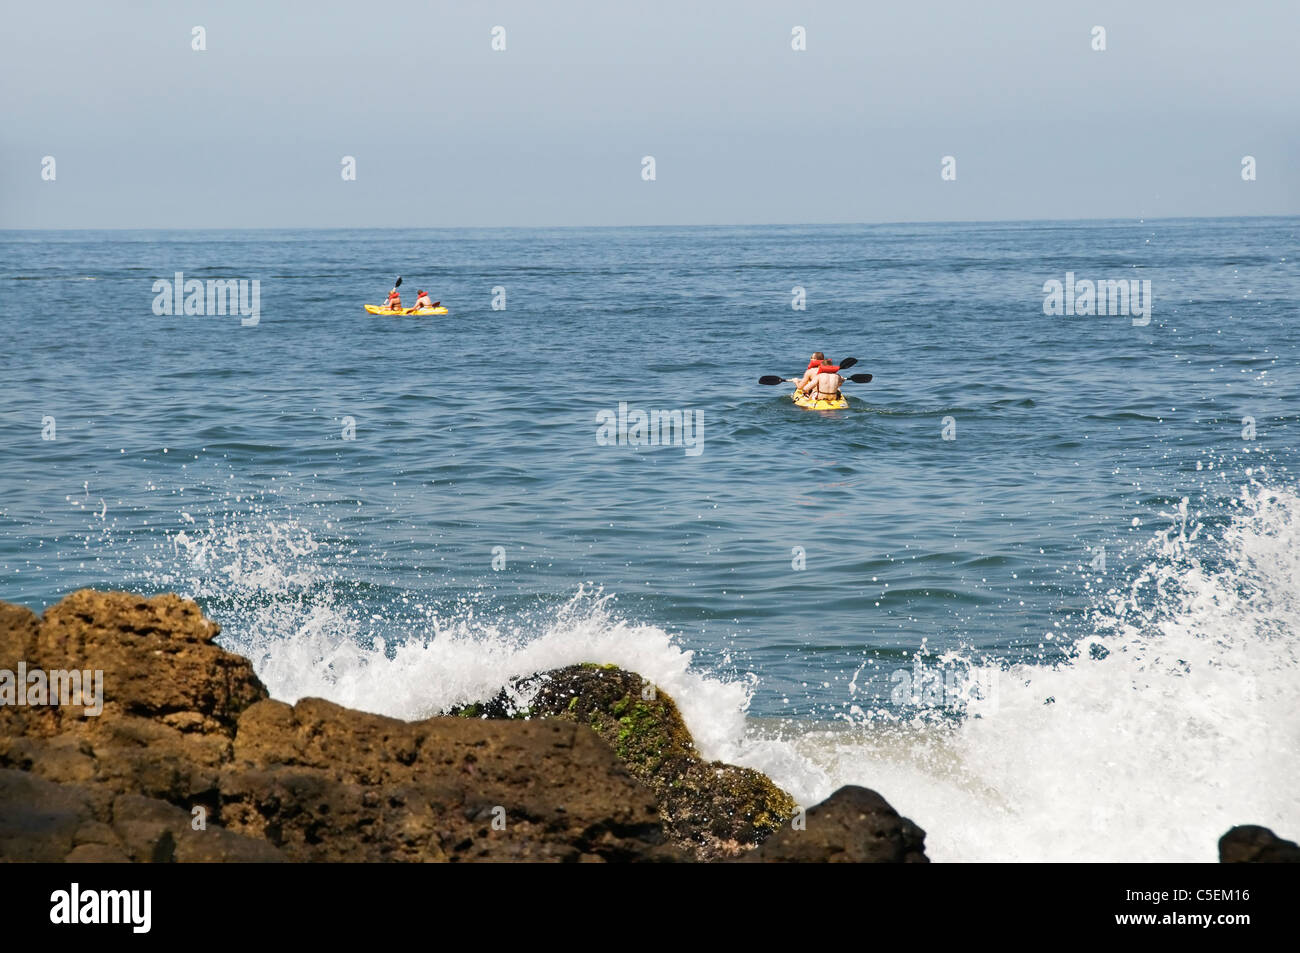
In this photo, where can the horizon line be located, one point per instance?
(431, 228)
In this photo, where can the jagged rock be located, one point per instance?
(853, 825)
(191, 761)
(160, 651)
(18, 627)
(171, 697)
(711, 808)
(1251, 844)
(186, 725)
(327, 783)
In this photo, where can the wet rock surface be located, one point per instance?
(854, 825)
(712, 809)
(185, 758)
(1252, 844)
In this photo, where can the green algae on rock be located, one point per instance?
(715, 809)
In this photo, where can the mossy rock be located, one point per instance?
(499, 706)
(718, 809)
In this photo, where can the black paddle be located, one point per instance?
(845, 365)
(396, 284)
(775, 379)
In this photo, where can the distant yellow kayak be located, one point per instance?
(838, 403)
(411, 312)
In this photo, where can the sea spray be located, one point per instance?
(1173, 719)
(1169, 719)
(282, 607)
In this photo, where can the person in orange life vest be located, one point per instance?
(422, 300)
(394, 302)
(813, 365)
(825, 383)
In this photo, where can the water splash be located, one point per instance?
(308, 633)
(1173, 718)
(1169, 718)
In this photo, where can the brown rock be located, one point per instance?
(157, 832)
(171, 700)
(97, 854)
(327, 783)
(161, 656)
(18, 626)
(186, 726)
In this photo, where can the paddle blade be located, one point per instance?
(860, 378)
(771, 379)
(398, 282)
(847, 363)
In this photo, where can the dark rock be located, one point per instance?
(853, 825)
(41, 820)
(1251, 844)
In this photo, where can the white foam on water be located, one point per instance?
(1176, 716)
(470, 659)
(280, 610)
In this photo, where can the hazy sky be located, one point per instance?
(147, 132)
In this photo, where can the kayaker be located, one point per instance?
(825, 383)
(813, 364)
(422, 300)
(394, 302)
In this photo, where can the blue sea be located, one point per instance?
(1039, 584)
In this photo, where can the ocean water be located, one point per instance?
(1067, 632)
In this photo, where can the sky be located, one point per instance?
(252, 131)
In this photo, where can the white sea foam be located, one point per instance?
(1177, 715)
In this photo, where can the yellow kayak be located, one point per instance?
(839, 403)
(414, 312)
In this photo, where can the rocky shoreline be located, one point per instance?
(191, 760)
